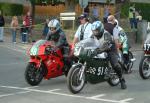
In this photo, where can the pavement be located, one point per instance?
(7, 40)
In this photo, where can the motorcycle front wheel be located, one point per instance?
(33, 75)
(144, 67)
(75, 85)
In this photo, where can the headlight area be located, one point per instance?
(77, 51)
(35, 57)
(34, 51)
(48, 50)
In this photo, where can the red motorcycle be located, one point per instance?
(46, 62)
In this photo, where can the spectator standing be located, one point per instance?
(87, 10)
(29, 25)
(46, 29)
(95, 12)
(14, 26)
(84, 31)
(138, 16)
(2, 23)
(24, 32)
(132, 17)
(106, 13)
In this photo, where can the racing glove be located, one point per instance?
(91, 53)
(106, 47)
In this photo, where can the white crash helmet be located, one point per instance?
(116, 23)
(54, 23)
(97, 25)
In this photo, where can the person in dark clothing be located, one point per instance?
(58, 39)
(106, 43)
(24, 32)
(87, 10)
(29, 24)
(109, 26)
(106, 13)
(2, 23)
(46, 29)
(57, 36)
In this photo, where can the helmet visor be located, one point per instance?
(95, 32)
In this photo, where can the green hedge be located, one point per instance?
(11, 9)
(143, 7)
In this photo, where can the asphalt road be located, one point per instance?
(14, 89)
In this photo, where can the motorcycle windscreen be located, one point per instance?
(36, 48)
(89, 43)
(82, 48)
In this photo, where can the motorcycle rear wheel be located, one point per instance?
(113, 81)
(33, 76)
(130, 64)
(144, 68)
(74, 84)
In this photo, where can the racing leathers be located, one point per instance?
(107, 43)
(59, 39)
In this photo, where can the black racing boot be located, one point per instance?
(123, 85)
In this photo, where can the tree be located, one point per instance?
(33, 8)
(70, 4)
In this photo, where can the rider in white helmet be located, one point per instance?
(121, 41)
(107, 43)
(56, 34)
(120, 37)
(54, 23)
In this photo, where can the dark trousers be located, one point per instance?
(114, 62)
(133, 23)
(24, 37)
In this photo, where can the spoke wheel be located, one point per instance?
(75, 85)
(144, 68)
(33, 76)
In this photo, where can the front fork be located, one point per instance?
(82, 71)
(38, 62)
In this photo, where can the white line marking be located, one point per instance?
(6, 95)
(69, 95)
(107, 100)
(54, 90)
(31, 87)
(41, 91)
(126, 100)
(97, 96)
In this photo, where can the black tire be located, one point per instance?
(33, 76)
(130, 65)
(73, 82)
(144, 68)
(113, 81)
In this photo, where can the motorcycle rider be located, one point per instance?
(57, 36)
(106, 43)
(109, 26)
(121, 40)
(84, 30)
